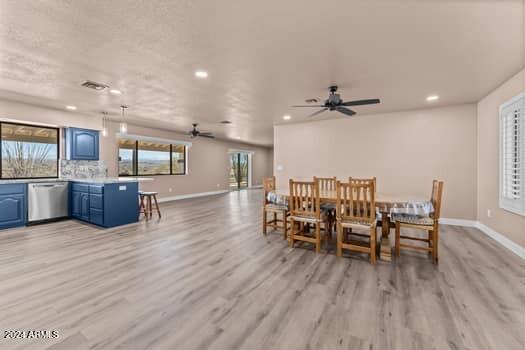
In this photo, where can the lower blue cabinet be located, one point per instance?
(13, 205)
(96, 216)
(105, 205)
(80, 205)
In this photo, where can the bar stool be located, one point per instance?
(146, 206)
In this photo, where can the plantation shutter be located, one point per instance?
(512, 157)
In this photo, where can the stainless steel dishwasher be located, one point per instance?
(47, 201)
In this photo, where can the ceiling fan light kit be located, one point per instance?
(335, 103)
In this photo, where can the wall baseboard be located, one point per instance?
(191, 195)
(501, 239)
(458, 222)
(498, 237)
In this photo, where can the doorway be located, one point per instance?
(239, 170)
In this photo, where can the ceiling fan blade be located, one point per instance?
(208, 135)
(346, 111)
(317, 106)
(361, 102)
(318, 112)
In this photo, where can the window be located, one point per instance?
(178, 160)
(28, 151)
(126, 157)
(153, 158)
(145, 157)
(512, 155)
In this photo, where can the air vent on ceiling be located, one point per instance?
(92, 85)
(311, 100)
(226, 122)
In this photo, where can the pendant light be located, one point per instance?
(104, 126)
(123, 124)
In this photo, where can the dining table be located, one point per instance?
(385, 204)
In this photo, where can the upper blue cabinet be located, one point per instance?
(82, 144)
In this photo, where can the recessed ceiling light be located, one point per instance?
(432, 98)
(71, 108)
(287, 117)
(115, 92)
(201, 74)
(238, 137)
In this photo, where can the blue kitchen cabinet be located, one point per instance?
(106, 205)
(75, 204)
(13, 205)
(80, 204)
(82, 144)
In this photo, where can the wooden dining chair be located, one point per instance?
(278, 211)
(305, 210)
(356, 211)
(429, 224)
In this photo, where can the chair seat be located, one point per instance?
(275, 207)
(413, 219)
(307, 219)
(144, 193)
(357, 224)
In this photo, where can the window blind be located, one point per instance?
(512, 155)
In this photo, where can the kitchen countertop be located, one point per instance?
(102, 180)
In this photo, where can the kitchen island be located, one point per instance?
(106, 202)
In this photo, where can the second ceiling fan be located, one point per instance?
(335, 103)
(194, 132)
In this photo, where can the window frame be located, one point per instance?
(34, 126)
(135, 166)
(515, 206)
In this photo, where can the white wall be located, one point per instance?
(404, 150)
(509, 224)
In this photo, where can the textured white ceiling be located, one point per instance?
(262, 56)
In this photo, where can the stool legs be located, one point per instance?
(142, 207)
(146, 205)
(157, 205)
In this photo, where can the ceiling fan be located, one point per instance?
(194, 132)
(335, 103)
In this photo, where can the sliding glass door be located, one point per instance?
(239, 170)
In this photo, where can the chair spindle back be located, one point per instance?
(367, 181)
(356, 200)
(269, 186)
(304, 199)
(326, 184)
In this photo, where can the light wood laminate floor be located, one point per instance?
(204, 277)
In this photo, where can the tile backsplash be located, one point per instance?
(83, 169)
